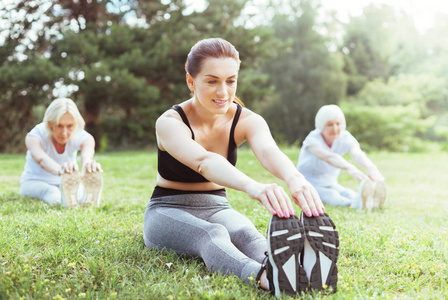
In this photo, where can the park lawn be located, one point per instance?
(400, 252)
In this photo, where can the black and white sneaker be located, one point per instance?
(285, 244)
(321, 250)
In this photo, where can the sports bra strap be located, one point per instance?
(182, 114)
(232, 144)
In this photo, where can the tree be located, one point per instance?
(306, 75)
(26, 78)
(377, 44)
(122, 61)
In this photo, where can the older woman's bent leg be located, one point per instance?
(346, 192)
(51, 194)
(334, 195)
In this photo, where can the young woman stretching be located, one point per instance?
(197, 152)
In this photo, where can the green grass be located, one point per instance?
(400, 252)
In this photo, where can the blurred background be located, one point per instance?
(122, 62)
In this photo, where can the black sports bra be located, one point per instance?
(172, 169)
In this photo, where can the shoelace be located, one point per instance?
(263, 266)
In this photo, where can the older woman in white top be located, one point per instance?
(51, 165)
(321, 161)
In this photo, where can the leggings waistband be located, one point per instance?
(162, 192)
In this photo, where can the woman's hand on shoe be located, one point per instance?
(273, 197)
(306, 196)
(68, 167)
(91, 166)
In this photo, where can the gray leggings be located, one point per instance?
(206, 226)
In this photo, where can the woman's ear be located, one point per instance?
(190, 82)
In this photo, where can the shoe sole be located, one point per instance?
(321, 251)
(93, 183)
(69, 187)
(367, 190)
(285, 244)
(380, 194)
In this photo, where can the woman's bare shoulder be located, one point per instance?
(250, 117)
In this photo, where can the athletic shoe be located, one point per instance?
(365, 198)
(321, 250)
(69, 187)
(93, 182)
(380, 194)
(285, 244)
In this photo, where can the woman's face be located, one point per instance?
(331, 131)
(215, 85)
(60, 133)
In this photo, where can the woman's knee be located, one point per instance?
(214, 231)
(50, 194)
(53, 195)
(332, 197)
(246, 233)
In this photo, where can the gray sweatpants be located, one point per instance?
(206, 226)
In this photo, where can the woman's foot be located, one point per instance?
(379, 194)
(321, 251)
(365, 198)
(302, 255)
(283, 268)
(93, 183)
(69, 187)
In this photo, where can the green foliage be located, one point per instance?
(391, 128)
(121, 75)
(379, 43)
(400, 113)
(306, 75)
(123, 63)
(23, 84)
(426, 91)
(48, 252)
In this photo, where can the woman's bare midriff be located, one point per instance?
(187, 186)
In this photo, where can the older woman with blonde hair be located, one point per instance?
(51, 170)
(321, 161)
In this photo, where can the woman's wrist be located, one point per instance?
(60, 170)
(350, 167)
(250, 188)
(296, 176)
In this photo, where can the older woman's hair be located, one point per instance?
(59, 107)
(329, 113)
(210, 48)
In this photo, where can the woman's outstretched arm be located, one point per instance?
(276, 162)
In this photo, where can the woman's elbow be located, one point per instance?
(205, 162)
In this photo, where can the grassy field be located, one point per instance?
(400, 252)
